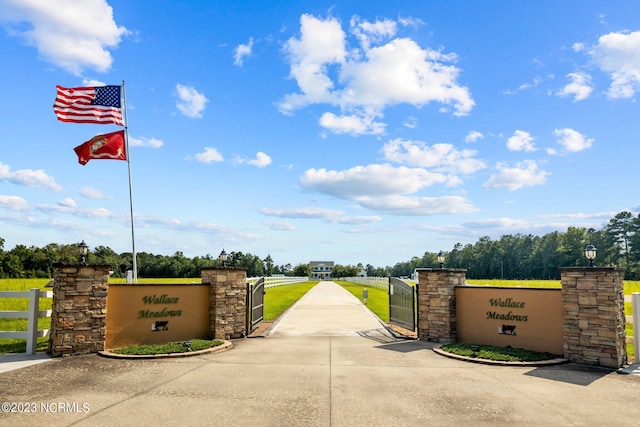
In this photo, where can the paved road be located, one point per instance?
(327, 310)
(362, 377)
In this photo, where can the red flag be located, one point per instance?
(107, 146)
(98, 105)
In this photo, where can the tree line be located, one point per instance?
(511, 256)
(38, 262)
(522, 256)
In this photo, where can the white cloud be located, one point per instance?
(333, 216)
(70, 34)
(404, 205)
(67, 203)
(210, 154)
(92, 193)
(402, 72)
(191, 103)
(261, 160)
(500, 224)
(321, 43)
(280, 225)
(619, 55)
(580, 87)
(242, 50)
(92, 82)
(521, 141)
(68, 206)
(523, 174)
(384, 188)
(14, 203)
(370, 181)
(301, 212)
(372, 32)
(145, 142)
(528, 85)
(572, 140)
(524, 86)
(351, 124)
(441, 157)
(29, 178)
(356, 220)
(367, 79)
(473, 136)
(408, 21)
(411, 122)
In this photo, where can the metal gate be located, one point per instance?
(402, 304)
(255, 304)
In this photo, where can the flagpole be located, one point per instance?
(126, 141)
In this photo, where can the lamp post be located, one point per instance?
(441, 258)
(590, 253)
(83, 250)
(223, 257)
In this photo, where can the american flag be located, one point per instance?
(100, 105)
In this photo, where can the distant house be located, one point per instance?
(320, 270)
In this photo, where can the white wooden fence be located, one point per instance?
(635, 305)
(272, 282)
(372, 282)
(32, 315)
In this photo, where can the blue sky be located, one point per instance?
(348, 131)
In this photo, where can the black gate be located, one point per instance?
(402, 305)
(255, 304)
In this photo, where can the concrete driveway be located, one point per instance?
(317, 376)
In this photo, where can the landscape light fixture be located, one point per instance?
(590, 253)
(223, 257)
(83, 250)
(441, 258)
(475, 349)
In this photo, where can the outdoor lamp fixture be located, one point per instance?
(475, 349)
(223, 257)
(441, 258)
(590, 253)
(83, 248)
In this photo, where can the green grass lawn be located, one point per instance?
(378, 300)
(278, 299)
(630, 286)
(515, 283)
(142, 280)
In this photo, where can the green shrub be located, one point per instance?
(169, 348)
(500, 354)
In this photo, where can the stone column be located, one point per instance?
(437, 303)
(593, 316)
(228, 301)
(79, 309)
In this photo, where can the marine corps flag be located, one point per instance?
(107, 146)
